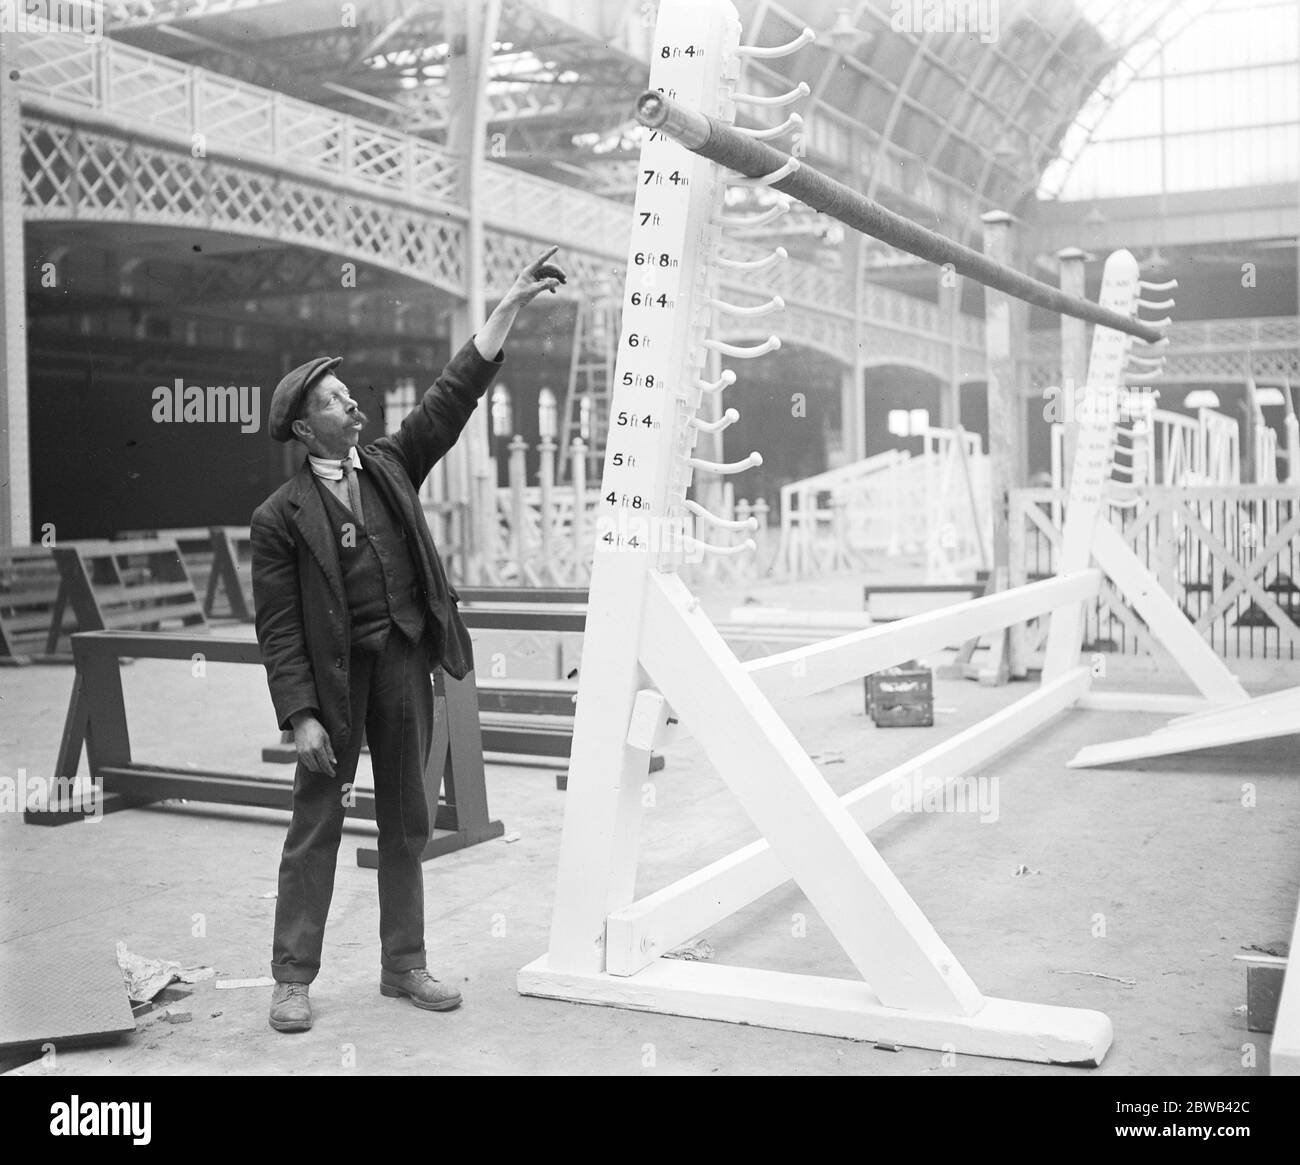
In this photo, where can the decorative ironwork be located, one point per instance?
(77, 173)
(1202, 352)
(1230, 556)
(271, 166)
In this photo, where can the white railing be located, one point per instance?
(1229, 555)
(958, 514)
(214, 116)
(1222, 448)
(1265, 455)
(936, 505)
(821, 529)
(1159, 447)
(211, 115)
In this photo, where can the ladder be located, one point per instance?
(591, 376)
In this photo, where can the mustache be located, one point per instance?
(358, 415)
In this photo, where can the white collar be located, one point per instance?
(330, 468)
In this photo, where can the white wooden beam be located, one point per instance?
(1159, 703)
(1167, 622)
(1245, 726)
(602, 806)
(649, 715)
(1284, 1054)
(1095, 438)
(1284, 701)
(881, 929)
(602, 810)
(833, 1007)
(646, 929)
(806, 670)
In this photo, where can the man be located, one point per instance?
(353, 612)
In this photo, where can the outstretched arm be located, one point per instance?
(540, 275)
(434, 425)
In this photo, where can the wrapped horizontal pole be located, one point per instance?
(728, 147)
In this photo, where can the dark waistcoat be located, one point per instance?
(379, 574)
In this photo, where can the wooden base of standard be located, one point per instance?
(832, 1007)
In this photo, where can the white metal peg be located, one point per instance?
(794, 121)
(694, 544)
(1144, 285)
(776, 303)
(729, 418)
(800, 90)
(781, 50)
(771, 344)
(753, 264)
(726, 380)
(771, 214)
(753, 461)
(790, 165)
(699, 511)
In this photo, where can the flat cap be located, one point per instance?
(289, 393)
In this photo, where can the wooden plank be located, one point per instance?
(874, 919)
(812, 621)
(1092, 455)
(177, 534)
(1168, 624)
(850, 657)
(833, 1007)
(598, 850)
(160, 783)
(502, 617)
(1189, 738)
(226, 573)
(974, 588)
(464, 782)
(1284, 1053)
(646, 929)
(571, 595)
(95, 549)
(107, 739)
(1283, 699)
(517, 701)
(1160, 703)
(167, 645)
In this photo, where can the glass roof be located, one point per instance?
(1209, 100)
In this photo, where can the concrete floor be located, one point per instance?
(1156, 874)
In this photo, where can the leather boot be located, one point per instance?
(290, 1008)
(421, 988)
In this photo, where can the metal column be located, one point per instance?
(15, 470)
(1074, 355)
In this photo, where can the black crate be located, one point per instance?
(901, 697)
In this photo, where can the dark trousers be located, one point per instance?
(392, 695)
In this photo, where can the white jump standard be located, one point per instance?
(651, 658)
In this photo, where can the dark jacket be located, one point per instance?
(302, 619)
